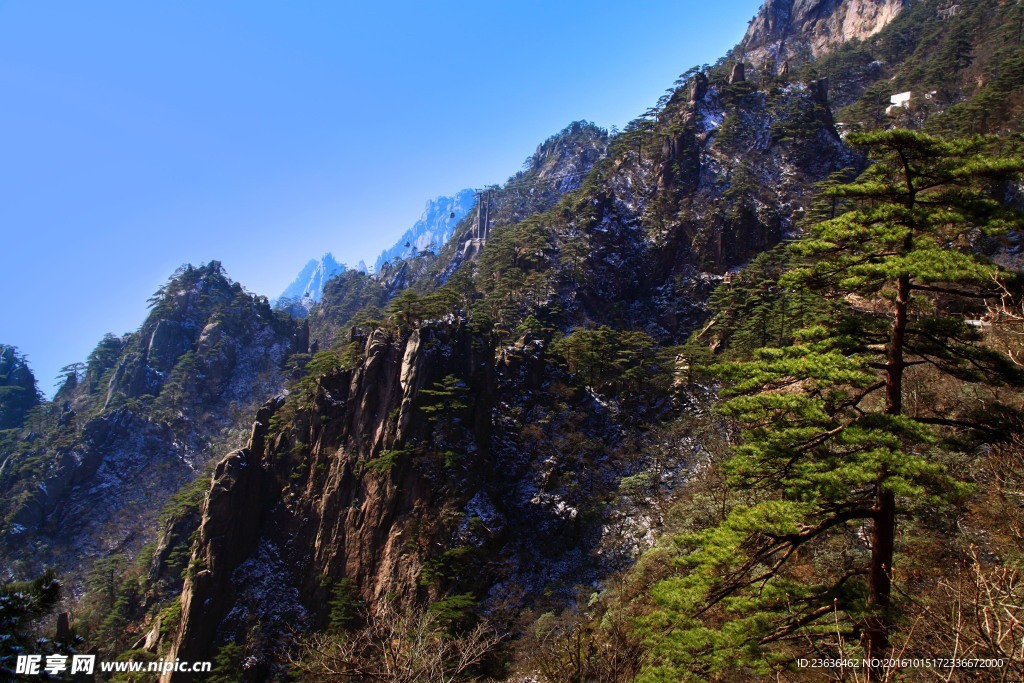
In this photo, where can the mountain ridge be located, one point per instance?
(430, 232)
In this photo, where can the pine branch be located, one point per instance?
(966, 424)
(955, 292)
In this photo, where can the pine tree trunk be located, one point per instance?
(883, 534)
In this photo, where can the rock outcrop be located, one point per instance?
(797, 30)
(737, 75)
(341, 488)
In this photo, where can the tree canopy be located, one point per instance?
(857, 423)
(18, 392)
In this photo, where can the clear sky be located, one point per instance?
(138, 136)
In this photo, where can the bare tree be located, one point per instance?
(396, 646)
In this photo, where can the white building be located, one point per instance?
(900, 100)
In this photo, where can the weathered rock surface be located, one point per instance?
(306, 491)
(799, 29)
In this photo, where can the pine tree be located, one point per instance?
(101, 360)
(406, 309)
(345, 605)
(445, 405)
(18, 391)
(446, 398)
(830, 451)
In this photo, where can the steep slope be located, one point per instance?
(800, 30)
(139, 420)
(480, 438)
(721, 172)
(484, 430)
(347, 296)
(557, 168)
(961, 64)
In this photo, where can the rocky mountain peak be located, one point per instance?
(433, 229)
(308, 286)
(141, 418)
(558, 166)
(569, 154)
(788, 30)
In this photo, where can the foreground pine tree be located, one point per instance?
(833, 452)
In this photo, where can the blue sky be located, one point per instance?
(138, 136)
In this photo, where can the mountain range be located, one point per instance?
(433, 229)
(514, 450)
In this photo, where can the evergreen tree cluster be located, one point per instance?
(962, 61)
(860, 431)
(18, 392)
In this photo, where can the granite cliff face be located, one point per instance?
(798, 30)
(356, 481)
(304, 504)
(723, 172)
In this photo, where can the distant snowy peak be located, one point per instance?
(433, 229)
(308, 287)
(430, 232)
